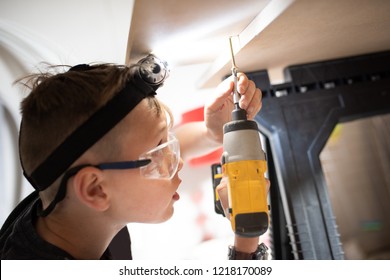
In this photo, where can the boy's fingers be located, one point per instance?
(224, 90)
(242, 83)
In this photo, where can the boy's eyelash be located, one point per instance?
(162, 141)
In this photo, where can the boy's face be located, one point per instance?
(141, 199)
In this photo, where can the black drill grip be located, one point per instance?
(216, 176)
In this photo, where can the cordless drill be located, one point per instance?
(244, 164)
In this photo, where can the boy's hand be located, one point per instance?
(222, 190)
(218, 111)
(242, 244)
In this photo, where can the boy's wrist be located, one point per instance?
(261, 253)
(215, 139)
(246, 244)
(247, 249)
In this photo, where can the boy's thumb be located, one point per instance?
(222, 191)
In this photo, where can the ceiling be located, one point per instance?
(271, 34)
(187, 32)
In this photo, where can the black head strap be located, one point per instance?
(60, 195)
(89, 132)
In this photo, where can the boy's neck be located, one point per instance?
(77, 239)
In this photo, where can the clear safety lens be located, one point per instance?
(164, 158)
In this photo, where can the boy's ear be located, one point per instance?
(89, 189)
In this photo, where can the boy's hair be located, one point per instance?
(59, 103)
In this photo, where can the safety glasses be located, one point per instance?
(161, 162)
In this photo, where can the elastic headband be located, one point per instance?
(89, 132)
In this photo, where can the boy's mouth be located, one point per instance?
(176, 196)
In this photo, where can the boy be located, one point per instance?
(95, 143)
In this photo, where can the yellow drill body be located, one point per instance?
(244, 164)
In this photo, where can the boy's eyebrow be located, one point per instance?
(88, 134)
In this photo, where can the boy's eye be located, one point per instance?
(152, 167)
